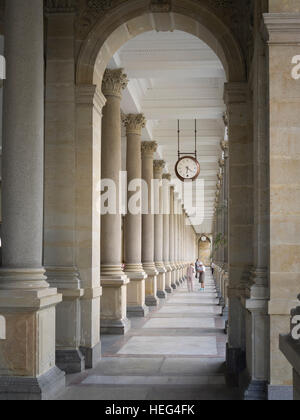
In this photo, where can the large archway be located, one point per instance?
(109, 33)
(127, 21)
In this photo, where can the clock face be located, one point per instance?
(203, 239)
(187, 168)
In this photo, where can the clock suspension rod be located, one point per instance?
(178, 132)
(196, 138)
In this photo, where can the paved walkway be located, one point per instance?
(176, 353)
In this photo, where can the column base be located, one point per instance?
(280, 393)
(46, 387)
(92, 355)
(169, 290)
(235, 364)
(115, 327)
(137, 311)
(161, 294)
(174, 286)
(256, 391)
(296, 380)
(114, 304)
(151, 284)
(70, 361)
(152, 301)
(251, 389)
(136, 291)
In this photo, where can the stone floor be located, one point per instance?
(176, 353)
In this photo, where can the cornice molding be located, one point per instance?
(161, 6)
(222, 4)
(60, 6)
(282, 28)
(90, 95)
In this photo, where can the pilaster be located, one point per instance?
(283, 37)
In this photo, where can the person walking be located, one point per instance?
(190, 277)
(197, 268)
(201, 271)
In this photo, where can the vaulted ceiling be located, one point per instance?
(174, 75)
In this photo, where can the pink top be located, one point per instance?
(190, 272)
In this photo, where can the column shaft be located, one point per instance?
(148, 150)
(133, 220)
(240, 220)
(114, 281)
(60, 191)
(166, 231)
(176, 220)
(27, 356)
(89, 105)
(159, 229)
(172, 238)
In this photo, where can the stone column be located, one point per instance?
(27, 355)
(257, 292)
(283, 26)
(176, 242)
(133, 220)
(289, 345)
(172, 239)
(166, 229)
(240, 221)
(148, 150)
(179, 240)
(89, 105)
(158, 166)
(113, 280)
(60, 188)
(182, 243)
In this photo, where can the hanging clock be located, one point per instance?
(187, 167)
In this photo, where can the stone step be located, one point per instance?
(154, 380)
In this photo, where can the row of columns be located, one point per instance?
(154, 239)
(220, 225)
(51, 317)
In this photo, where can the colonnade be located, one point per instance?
(59, 256)
(220, 225)
(51, 317)
(147, 276)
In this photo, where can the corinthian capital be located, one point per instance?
(167, 177)
(149, 148)
(134, 123)
(114, 81)
(224, 145)
(158, 166)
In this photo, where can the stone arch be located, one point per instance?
(124, 22)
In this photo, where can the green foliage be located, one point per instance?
(218, 241)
